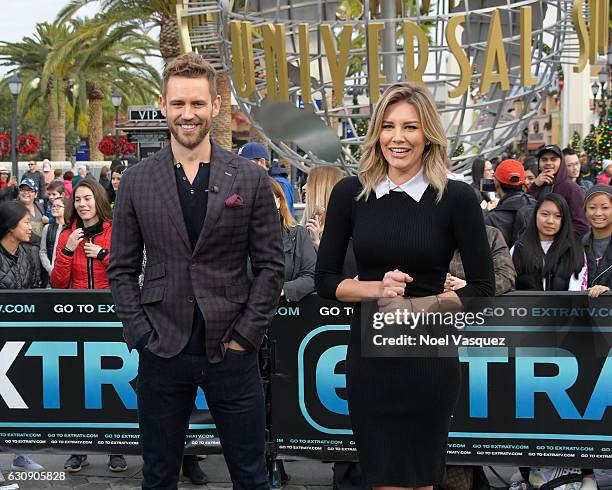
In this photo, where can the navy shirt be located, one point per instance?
(194, 202)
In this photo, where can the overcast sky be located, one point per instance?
(19, 18)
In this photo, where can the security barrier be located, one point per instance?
(540, 398)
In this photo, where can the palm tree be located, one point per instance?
(149, 13)
(28, 58)
(105, 59)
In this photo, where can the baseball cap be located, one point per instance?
(46, 165)
(550, 148)
(510, 172)
(253, 150)
(29, 183)
(606, 164)
(598, 189)
(3, 170)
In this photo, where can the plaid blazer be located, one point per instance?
(148, 214)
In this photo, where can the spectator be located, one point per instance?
(17, 271)
(34, 174)
(4, 177)
(573, 169)
(597, 244)
(68, 176)
(548, 256)
(116, 174)
(321, 180)
(82, 173)
(257, 153)
(606, 173)
(47, 172)
(104, 180)
(27, 195)
(280, 175)
(505, 274)
(81, 260)
(300, 255)
(58, 174)
(482, 171)
(51, 233)
(531, 170)
(8, 186)
(85, 242)
(553, 178)
(55, 190)
(511, 214)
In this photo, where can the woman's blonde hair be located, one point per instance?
(319, 184)
(287, 221)
(373, 166)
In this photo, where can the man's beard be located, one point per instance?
(197, 137)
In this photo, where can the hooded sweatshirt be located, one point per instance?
(572, 192)
(280, 174)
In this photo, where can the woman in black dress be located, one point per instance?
(405, 220)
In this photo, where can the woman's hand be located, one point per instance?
(595, 291)
(75, 238)
(394, 284)
(452, 283)
(92, 250)
(314, 227)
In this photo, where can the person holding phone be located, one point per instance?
(482, 181)
(321, 180)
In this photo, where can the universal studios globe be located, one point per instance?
(348, 47)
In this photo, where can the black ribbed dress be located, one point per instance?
(400, 408)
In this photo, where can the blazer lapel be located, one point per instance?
(167, 180)
(223, 170)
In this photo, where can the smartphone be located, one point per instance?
(487, 185)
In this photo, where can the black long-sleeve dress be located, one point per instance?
(400, 408)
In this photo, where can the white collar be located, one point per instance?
(415, 187)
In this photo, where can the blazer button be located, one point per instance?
(191, 299)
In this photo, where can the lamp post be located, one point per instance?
(14, 84)
(594, 90)
(603, 78)
(116, 100)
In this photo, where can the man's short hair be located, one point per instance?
(568, 151)
(190, 65)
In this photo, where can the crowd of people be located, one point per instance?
(548, 226)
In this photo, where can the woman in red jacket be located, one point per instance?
(84, 245)
(81, 260)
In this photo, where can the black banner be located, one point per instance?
(538, 396)
(68, 381)
(542, 398)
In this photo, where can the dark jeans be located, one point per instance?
(166, 397)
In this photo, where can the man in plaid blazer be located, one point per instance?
(200, 212)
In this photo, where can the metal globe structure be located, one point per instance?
(483, 124)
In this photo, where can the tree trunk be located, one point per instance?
(169, 42)
(222, 124)
(94, 126)
(57, 122)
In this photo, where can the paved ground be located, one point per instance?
(305, 475)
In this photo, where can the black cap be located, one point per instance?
(550, 148)
(597, 189)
